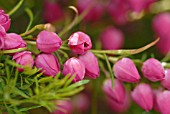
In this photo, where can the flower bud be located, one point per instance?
(118, 10)
(119, 107)
(112, 38)
(2, 36)
(74, 65)
(125, 70)
(95, 12)
(117, 92)
(163, 100)
(63, 107)
(13, 41)
(160, 21)
(48, 63)
(155, 94)
(91, 65)
(5, 21)
(48, 42)
(79, 43)
(52, 11)
(153, 70)
(143, 96)
(23, 58)
(166, 81)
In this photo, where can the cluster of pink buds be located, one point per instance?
(143, 94)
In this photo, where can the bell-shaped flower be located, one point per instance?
(91, 65)
(48, 63)
(125, 70)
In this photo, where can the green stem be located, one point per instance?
(30, 14)
(30, 42)
(37, 27)
(126, 51)
(13, 50)
(16, 8)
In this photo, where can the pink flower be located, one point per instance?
(95, 13)
(125, 70)
(160, 21)
(163, 100)
(2, 37)
(74, 65)
(48, 63)
(48, 42)
(5, 21)
(79, 42)
(166, 81)
(119, 107)
(112, 38)
(143, 96)
(118, 10)
(52, 11)
(91, 65)
(153, 70)
(139, 5)
(63, 107)
(116, 93)
(155, 94)
(13, 41)
(24, 58)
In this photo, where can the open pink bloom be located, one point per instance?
(119, 107)
(116, 93)
(95, 13)
(153, 70)
(143, 96)
(79, 42)
(48, 42)
(24, 58)
(2, 37)
(74, 65)
(139, 5)
(13, 41)
(163, 100)
(160, 21)
(166, 81)
(112, 38)
(5, 21)
(125, 70)
(118, 10)
(63, 107)
(52, 11)
(91, 65)
(48, 63)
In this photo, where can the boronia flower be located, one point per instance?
(91, 65)
(2, 37)
(23, 58)
(48, 42)
(79, 42)
(111, 38)
(48, 63)
(166, 81)
(125, 70)
(116, 93)
(143, 96)
(153, 70)
(5, 21)
(163, 100)
(74, 66)
(13, 41)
